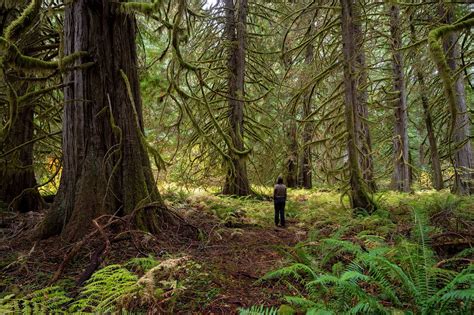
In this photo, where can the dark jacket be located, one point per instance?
(279, 193)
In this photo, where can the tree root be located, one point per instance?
(176, 220)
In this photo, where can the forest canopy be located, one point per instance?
(159, 123)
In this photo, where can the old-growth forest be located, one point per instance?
(141, 141)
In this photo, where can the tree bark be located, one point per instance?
(17, 178)
(437, 176)
(460, 137)
(401, 172)
(363, 138)
(358, 193)
(306, 168)
(106, 169)
(236, 182)
(292, 160)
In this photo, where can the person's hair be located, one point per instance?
(280, 180)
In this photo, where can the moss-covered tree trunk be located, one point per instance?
(401, 166)
(363, 138)
(292, 159)
(437, 176)
(306, 179)
(106, 169)
(291, 143)
(236, 182)
(18, 188)
(359, 196)
(460, 136)
(17, 177)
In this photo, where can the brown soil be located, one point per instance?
(236, 255)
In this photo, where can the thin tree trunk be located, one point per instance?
(401, 172)
(236, 182)
(17, 178)
(292, 160)
(460, 138)
(306, 168)
(437, 175)
(363, 138)
(438, 183)
(106, 169)
(291, 163)
(358, 193)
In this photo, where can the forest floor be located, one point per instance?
(233, 250)
(237, 244)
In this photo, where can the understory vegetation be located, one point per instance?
(413, 255)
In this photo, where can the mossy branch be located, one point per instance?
(439, 57)
(141, 7)
(13, 56)
(159, 162)
(23, 22)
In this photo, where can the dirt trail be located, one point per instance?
(236, 257)
(243, 255)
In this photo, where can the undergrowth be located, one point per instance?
(140, 285)
(388, 262)
(365, 267)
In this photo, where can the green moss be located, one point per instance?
(140, 7)
(23, 22)
(13, 56)
(445, 72)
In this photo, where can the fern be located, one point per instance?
(105, 288)
(403, 277)
(46, 300)
(296, 271)
(258, 310)
(302, 302)
(141, 264)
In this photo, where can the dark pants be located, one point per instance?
(280, 210)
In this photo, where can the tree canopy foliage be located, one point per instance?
(105, 103)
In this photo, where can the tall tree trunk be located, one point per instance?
(460, 137)
(291, 163)
(306, 168)
(17, 178)
(292, 159)
(359, 196)
(363, 138)
(401, 172)
(438, 183)
(236, 182)
(434, 153)
(106, 169)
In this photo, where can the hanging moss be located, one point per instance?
(159, 162)
(438, 56)
(23, 22)
(12, 56)
(140, 7)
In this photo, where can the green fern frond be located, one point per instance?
(468, 252)
(142, 264)
(296, 271)
(105, 288)
(462, 294)
(43, 301)
(258, 310)
(365, 308)
(301, 302)
(318, 311)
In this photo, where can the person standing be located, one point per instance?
(279, 198)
